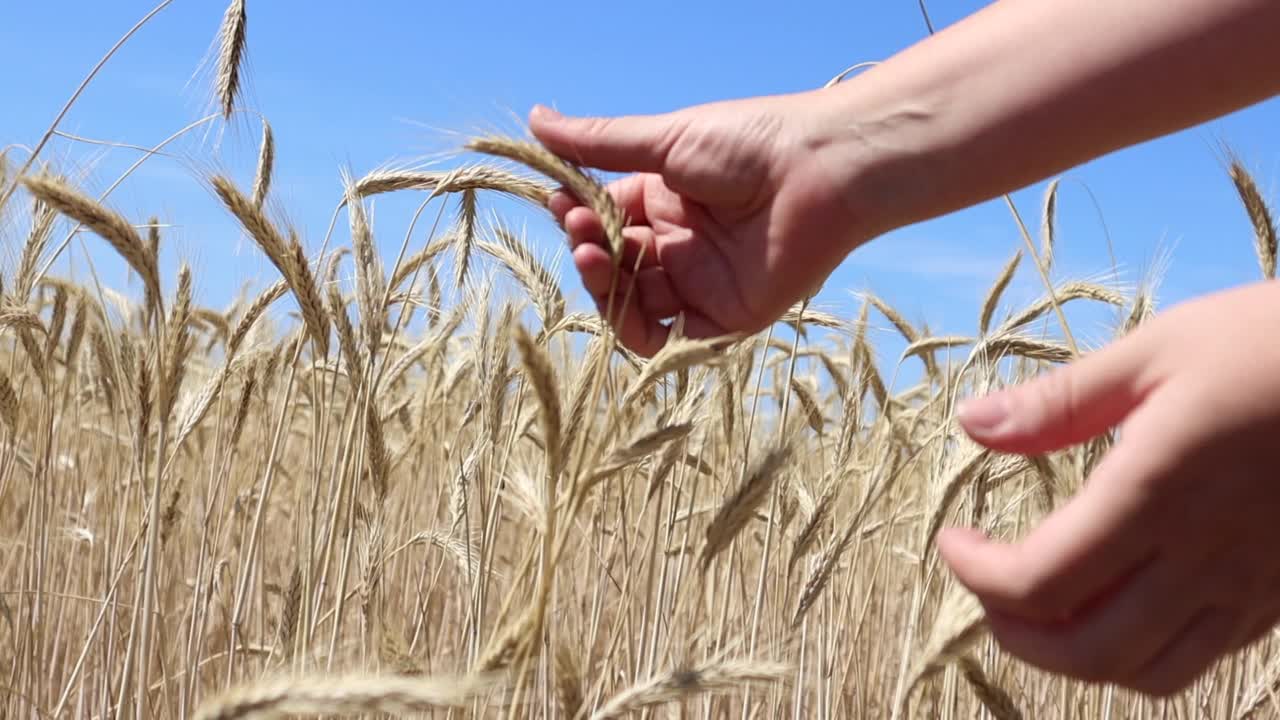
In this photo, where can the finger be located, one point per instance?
(1204, 639)
(652, 293)
(560, 203)
(1066, 406)
(628, 144)
(641, 333)
(1118, 636)
(595, 267)
(584, 227)
(1078, 551)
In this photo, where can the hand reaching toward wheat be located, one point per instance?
(734, 213)
(743, 208)
(1166, 559)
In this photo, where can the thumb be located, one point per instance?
(1069, 405)
(625, 144)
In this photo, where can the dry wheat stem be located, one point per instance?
(53, 127)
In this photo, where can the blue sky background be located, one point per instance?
(363, 84)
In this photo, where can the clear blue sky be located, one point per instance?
(362, 84)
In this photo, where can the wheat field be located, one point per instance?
(404, 478)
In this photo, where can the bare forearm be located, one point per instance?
(1028, 88)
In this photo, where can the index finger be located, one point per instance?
(1077, 554)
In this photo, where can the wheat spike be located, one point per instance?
(342, 695)
(956, 479)
(231, 52)
(568, 686)
(1073, 290)
(958, 625)
(741, 506)
(42, 217)
(537, 368)
(997, 290)
(1049, 224)
(809, 403)
(289, 258)
(75, 336)
(993, 697)
(369, 276)
(1264, 226)
(351, 358)
(514, 254)
(414, 262)
(8, 403)
(814, 520)
(469, 177)
(266, 165)
(253, 312)
(587, 189)
(716, 676)
(465, 237)
(997, 346)
(108, 225)
(20, 317)
(678, 354)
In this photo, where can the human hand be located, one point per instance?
(739, 208)
(1166, 560)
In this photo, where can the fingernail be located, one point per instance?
(545, 113)
(986, 415)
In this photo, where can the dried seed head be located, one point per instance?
(108, 225)
(231, 53)
(740, 507)
(587, 189)
(716, 676)
(1264, 226)
(266, 165)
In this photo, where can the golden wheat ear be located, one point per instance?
(232, 41)
(1260, 215)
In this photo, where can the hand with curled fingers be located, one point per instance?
(734, 212)
(1169, 557)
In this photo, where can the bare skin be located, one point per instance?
(1165, 560)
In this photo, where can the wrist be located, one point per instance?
(873, 145)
